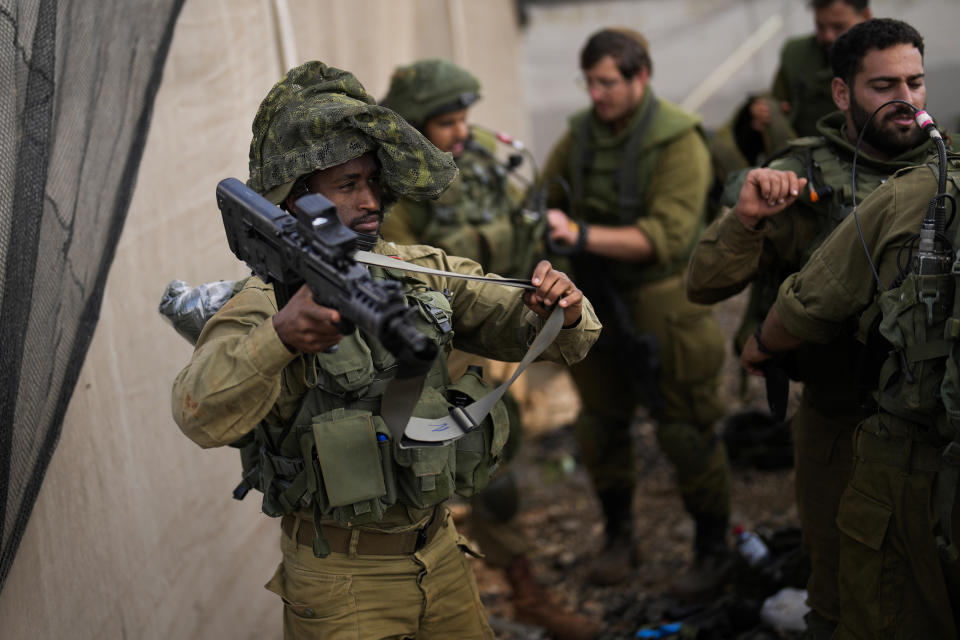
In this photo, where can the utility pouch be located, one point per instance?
(425, 474)
(347, 451)
(348, 369)
(479, 452)
(913, 318)
(348, 477)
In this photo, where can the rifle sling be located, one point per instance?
(402, 393)
(387, 262)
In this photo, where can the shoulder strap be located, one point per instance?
(629, 191)
(580, 160)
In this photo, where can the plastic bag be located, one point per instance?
(188, 308)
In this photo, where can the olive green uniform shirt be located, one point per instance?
(837, 283)
(804, 81)
(241, 372)
(887, 510)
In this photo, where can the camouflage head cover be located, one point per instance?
(318, 117)
(429, 88)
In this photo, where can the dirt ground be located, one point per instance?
(561, 515)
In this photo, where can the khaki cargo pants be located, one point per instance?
(429, 594)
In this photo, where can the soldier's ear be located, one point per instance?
(841, 94)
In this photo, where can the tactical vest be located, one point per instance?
(920, 379)
(337, 458)
(480, 201)
(609, 180)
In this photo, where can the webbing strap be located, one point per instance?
(402, 393)
(580, 161)
(460, 422)
(387, 262)
(629, 193)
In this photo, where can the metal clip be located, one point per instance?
(463, 420)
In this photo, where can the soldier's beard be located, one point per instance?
(882, 134)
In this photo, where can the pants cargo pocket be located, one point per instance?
(871, 574)
(316, 605)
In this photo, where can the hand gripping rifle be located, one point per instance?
(311, 246)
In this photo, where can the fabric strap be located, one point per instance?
(387, 262)
(402, 393)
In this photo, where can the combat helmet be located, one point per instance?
(318, 117)
(428, 88)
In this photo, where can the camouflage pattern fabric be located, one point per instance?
(430, 87)
(318, 117)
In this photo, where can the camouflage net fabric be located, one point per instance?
(317, 117)
(74, 115)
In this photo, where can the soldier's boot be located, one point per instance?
(619, 557)
(532, 604)
(713, 561)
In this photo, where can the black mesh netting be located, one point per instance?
(77, 83)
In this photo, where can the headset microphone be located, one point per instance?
(925, 122)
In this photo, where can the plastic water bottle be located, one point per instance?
(751, 547)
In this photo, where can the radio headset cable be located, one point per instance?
(935, 221)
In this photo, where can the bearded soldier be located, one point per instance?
(781, 215)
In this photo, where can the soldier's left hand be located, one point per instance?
(752, 359)
(553, 287)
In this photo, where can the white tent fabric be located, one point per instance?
(134, 533)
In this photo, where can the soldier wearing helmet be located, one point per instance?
(481, 215)
(368, 546)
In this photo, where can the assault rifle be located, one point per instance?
(311, 246)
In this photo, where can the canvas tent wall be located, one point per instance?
(133, 533)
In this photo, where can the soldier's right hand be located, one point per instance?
(305, 326)
(766, 192)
